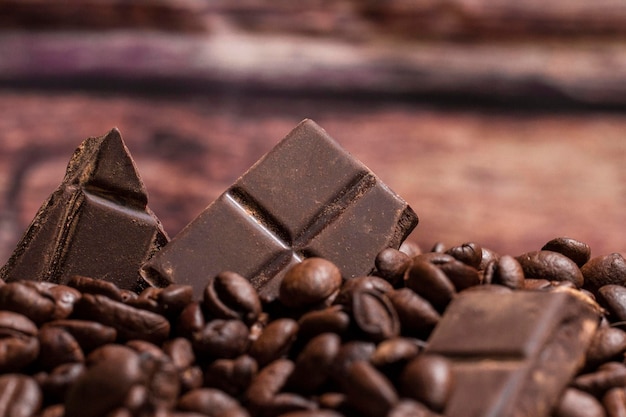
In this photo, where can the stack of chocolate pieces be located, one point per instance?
(294, 294)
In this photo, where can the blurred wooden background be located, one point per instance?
(499, 122)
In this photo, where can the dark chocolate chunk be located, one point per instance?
(307, 197)
(512, 354)
(96, 224)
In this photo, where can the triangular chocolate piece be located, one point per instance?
(95, 224)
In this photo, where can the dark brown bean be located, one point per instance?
(94, 286)
(488, 256)
(469, 253)
(368, 390)
(349, 352)
(417, 316)
(431, 283)
(577, 251)
(604, 270)
(312, 413)
(309, 282)
(174, 298)
(392, 355)
(16, 324)
(130, 323)
(211, 402)
(428, 379)
(89, 334)
(552, 266)
(373, 315)
(508, 272)
(55, 384)
(190, 320)
(64, 298)
(19, 345)
(231, 296)
(576, 403)
(221, 339)
(614, 402)
(329, 320)
(57, 346)
(269, 382)
(314, 363)
(20, 396)
(410, 248)
(410, 408)
(368, 283)
(232, 376)
(180, 351)
(607, 376)
(105, 384)
(391, 264)
(613, 298)
(274, 341)
(56, 410)
(608, 343)
(27, 300)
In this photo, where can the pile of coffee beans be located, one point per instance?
(325, 347)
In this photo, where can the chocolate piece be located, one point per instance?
(96, 224)
(512, 354)
(307, 197)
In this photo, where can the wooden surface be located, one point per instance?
(499, 122)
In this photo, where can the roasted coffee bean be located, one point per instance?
(373, 315)
(130, 323)
(410, 408)
(231, 296)
(552, 266)
(438, 247)
(232, 376)
(309, 282)
(274, 341)
(211, 402)
(55, 384)
(94, 286)
(312, 413)
(269, 382)
(410, 248)
(368, 283)
(428, 379)
(536, 284)
(146, 300)
(604, 270)
(64, 299)
(190, 378)
(221, 339)
(613, 298)
(180, 351)
(608, 343)
(577, 251)
(607, 376)
(488, 256)
(89, 334)
(174, 298)
(391, 264)
(469, 253)
(350, 352)
(417, 316)
(113, 370)
(57, 346)
(431, 283)
(56, 410)
(368, 390)
(147, 350)
(392, 355)
(16, 325)
(27, 300)
(163, 385)
(190, 320)
(576, 403)
(332, 319)
(614, 402)
(19, 345)
(508, 272)
(20, 396)
(284, 403)
(314, 363)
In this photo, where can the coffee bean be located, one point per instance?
(15, 324)
(20, 396)
(211, 402)
(221, 339)
(180, 351)
(309, 282)
(19, 345)
(417, 316)
(508, 272)
(488, 256)
(27, 300)
(469, 253)
(431, 283)
(285, 403)
(374, 315)
(329, 320)
(410, 248)
(190, 320)
(56, 410)
(57, 347)
(613, 298)
(349, 352)
(232, 376)
(231, 296)
(391, 264)
(274, 341)
(269, 382)
(174, 298)
(55, 384)
(104, 385)
(536, 284)
(368, 390)
(428, 379)
(314, 363)
(312, 413)
(130, 323)
(438, 247)
(576, 403)
(604, 270)
(392, 355)
(608, 344)
(605, 377)
(577, 251)
(410, 408)
(552, 266)
(94, 286)
(88, 333)
(614, 402)
(368, 283)
(64, 298)
(190, 378)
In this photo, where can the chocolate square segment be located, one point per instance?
(306, 197)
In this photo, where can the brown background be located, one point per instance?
(498, 123)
